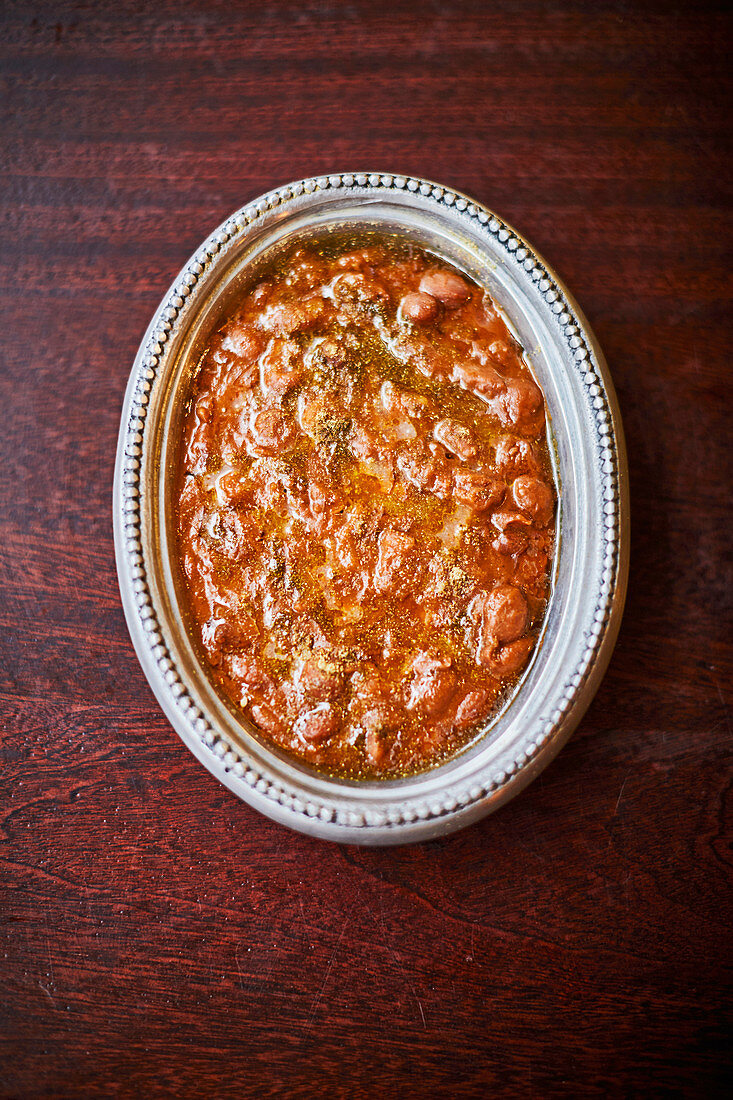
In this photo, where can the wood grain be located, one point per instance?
(156, 936)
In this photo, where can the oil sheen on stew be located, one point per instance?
(365, 506)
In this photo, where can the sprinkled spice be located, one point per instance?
(365, 506)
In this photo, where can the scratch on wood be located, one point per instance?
(319, 994)
(620, 794)
(726, 708)
(47, 992)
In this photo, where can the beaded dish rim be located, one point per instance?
(438, 813)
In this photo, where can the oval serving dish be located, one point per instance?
(591, 554)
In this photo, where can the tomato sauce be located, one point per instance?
(365, 506)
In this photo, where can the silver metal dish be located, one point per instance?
(591, 562)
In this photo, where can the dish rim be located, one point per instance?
(441, 811)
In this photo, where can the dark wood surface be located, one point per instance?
(157, 937)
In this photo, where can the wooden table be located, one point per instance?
(157, 936)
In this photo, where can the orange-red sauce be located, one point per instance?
(365, 506)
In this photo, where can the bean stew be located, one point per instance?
(365, 506)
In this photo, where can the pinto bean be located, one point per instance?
(306, 272)
(473, 707)
(381, 717)
(531, 567)
(319, 683)
(515, 456)
(365, 444)
(232, 487)
(510, 521)
(271, 431)
(191, 511)
(479, 378)
(503, 613)
(317, 725)
(502, 352)
(456, 438)
(346, 550)
(270, 493)
(378, 722)
(242, 340)
(395, 552)
(506, 659)
(285, 318)
(514, 530)
(360, 258)
(433, 683)
(312, 408)
(366, 684)
(519, 405)
(478, 489)
(376, 746)
(214, 634)
(419, 307)
(534, 497)
(448, 287)
(203, 409)
(261, 293)
(219, 634)
(420, 353)
(354, 288)
(397, 401)
(197, 447)
(319, 497)
(425, 472)
(234, 535)
(281, 367)
(267, 718)
(511, 543)
(250, 671)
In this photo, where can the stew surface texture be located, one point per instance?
(366, 507)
